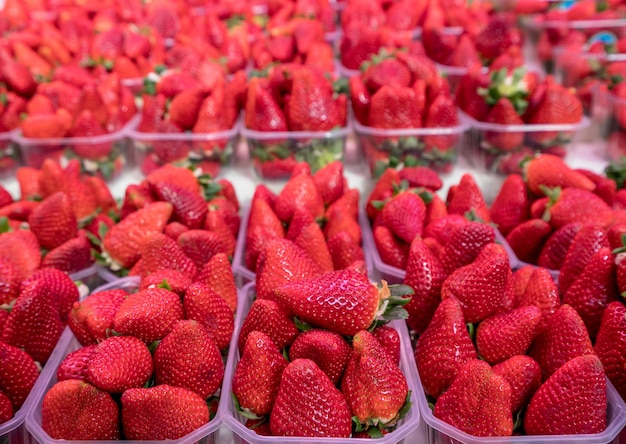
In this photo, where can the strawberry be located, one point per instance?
(555, 248)
(53, 221)
(119, 363)
(175, 229)
(468, 197)
(217, 274)
(503, 113)
(441, 114)
(34, 323)
(18, 374)
(189, 208)
(6, 408)
(555, 407)
(258, 373)
(124, 241)
(577, 205)
(311, 106)
(148, 314)
(306, 393)
(63, 290)
(593, 289)
(609, 344)
(465, 53)
(394, 107)
(523, 375)
(552, 171)
(480, 286)
(540, 291)
(178, 176)
(404, 215)
(327, 349)
(266, 316)
(511, 206)
(172, 280)
(373, 384)
(360, 98)
(18, 78)
(478, 402)
(385, 69)
(91, 319)
(425, 274)
(299, 191)
(308, 235)
(329, 181)
(199, 246)
(528, 238)
(389, 339)
(76, 363)
(262, 111)
(501, 336)
(21, 248)
(208, 308)
(392, 250)
(72, 256)
(162, 412)
(188, 357)
(587, 242)
(465, 244)
(159, 252)
(74, 409)
(564, 337)
(443, 348)
(9, 283)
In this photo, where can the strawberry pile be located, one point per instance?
(292, 99)
(159, 375)
(404, 91)
(180, 116)
(514, 104)
(30, 330)
(171, 219)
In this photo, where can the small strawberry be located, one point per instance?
(555, 248)
(76, 410)
(306, 393)
(587, 242)
(552, 171)
(299, 192)
(172, 280)
(53, 221)
(478, 402)
(198, 247)
(308, 235)
(91, 319)
(394, 107)
(528, 238)
(76, 363)
(541, 291)
(18, 374)
(555, 407)
(217, 274)
(511, 206)
(204, 305)
(328, 350)
(159, 252)
(119, 363)
(266, 316)
(257, 375)
(524, 376)
(344, 250)
(404, 215)
(63, 290)
(392, 250)
(190, 208)
(468, 197)
(162, 412)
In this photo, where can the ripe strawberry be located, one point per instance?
(208, 308)
(262, 111)
(162, 412)
(172, 280)
(394, 107)
(312, 106)
(478, 402)
(555, 248)
(404, 215)
(266, 316)
(392, 250)
(263, 225)
(21, 248)
(217, 274)
(555, 407)
(175, 229)
(306, 393)
(70, 257)
(299, 192)
(76, 363)
(159, 252)
(308, 235)
(609, 344)
(185, 106)
(18, 78)
(9, 283)
(386, 71)
(344, 250)
(178, 176)
(6, 408)
(587, 242)
(523, 375)
(373, 384)
(480, 286)
(501, 336)
(540, 291)
(258, 373)
(92, 318)
(327, 349)
(578, 205)
(198, 247)
(441, 113)
(216, 224)
(528, 238)
(330, 182)
(425, 274)
(511, 206)
(552, 171)
(443, 348)
(564, 337)
(53, 221)
(18, 374)
(593, 289)
(149, 314)
(63, 290)
(76, 410)
(468, 197)
(188, 357)
(189, 208)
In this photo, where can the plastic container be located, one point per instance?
(88, 277)
(209, 151)
(69, 343)
(243, 275)
(419, 146)
(274, 154)
(106, 275)
(242, 434)
(9, 155)
(381, 270)
(483, 152)
(109, 166)
(609, 118)
(14, 431)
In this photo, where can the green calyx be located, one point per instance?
(511, 86)
(616, 171)
(392, 300)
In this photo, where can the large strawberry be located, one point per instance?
(266, 316)
(394, 107)
(299, 192)
(53, 221)
(404, 215)
(76, 363)
(551, 171)
(465, 241)
(210, 310)
(511, 205)
(309, 404)
(330, 351)
(218, 275)
(343, 301)
(159, 252)
(190, 208)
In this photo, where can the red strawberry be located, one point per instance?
(468, 197)
(540, 291)
(76, 410)
(185, 106)
(465, 244)
(172, 280)
(555, 248)
(330, 182)
(119, 363)
(9, 283)
(511, 206)
(394, 107)
(216, 224)
(76, 363)
(478, 402)
(18, 374)
(308, 235)
(327, 349)
(190, 208)
(71, 256)
(552, 171)
(420, 176)
(577, 205)
(267, 316)
(63, 290)
(208, 308)
(523, 375)
(149, 314)
(502, 336)
(162, 412)
(311, 106)
(555, 407)
(443, 348)
(609, 344)
(528, 239)
(503, 113)
(188, 357)
(21, 248)
(124, 241)
(258, 373)
(299, 192)
(18, 78)
(159, 252)
(6, 408)
(262, 111)
(564, 337)
(392, 250)
(360, 98)
(441, 114)
(306, 393)
(404, 215)
(91, 319)
(587, 242)
(388, 71)
(465, 53)
(389, 339)
(178, 176)
(53, 221)
(344, 250)
(217, 274)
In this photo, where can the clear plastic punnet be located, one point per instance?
(9, 155)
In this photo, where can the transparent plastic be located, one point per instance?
(242, 434)
(243, 275)
(9, 155)
(609, 118)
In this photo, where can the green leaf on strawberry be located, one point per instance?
(512, 86)
(4, 224)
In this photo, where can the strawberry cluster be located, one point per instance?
(507, 100)
(132, 391)
(178, 103)
(296, 99)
